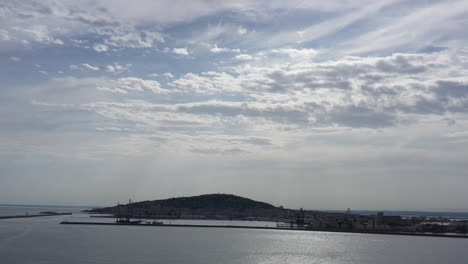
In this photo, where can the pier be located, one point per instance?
(379, 232)
(30, 216)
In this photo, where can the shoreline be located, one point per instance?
(272, 228)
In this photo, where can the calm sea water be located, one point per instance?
(44, 240)
(6, 210)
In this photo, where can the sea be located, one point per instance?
(43, 240)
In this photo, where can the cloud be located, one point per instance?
(165, 11)
(356, 92)
(296, 53)
(215, 49)
(29, 34)
(110, 129)
(329, 26)
(401, 31)
(357, 117)
(458, 134)
(83, 67)
(371, 24)
(168, 75)
(241, 30)
(263, 106)
(208, 84)
(131, 84)
(14, 59)
(116, 68)
(180, 51)
(278, 113)
(49, 22)
(225, 151)
(243, 57)
(73, 67)
(73, 91)
(133, 39)
(287, 55)
(100, 48)
(91, 67)
(258, 141)
(295, 83)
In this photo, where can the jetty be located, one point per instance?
(33, 215)
(159, 224)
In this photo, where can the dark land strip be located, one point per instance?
(380, 232)
(30, 216)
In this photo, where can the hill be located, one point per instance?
(218, 206)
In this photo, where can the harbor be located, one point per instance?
(230, 207)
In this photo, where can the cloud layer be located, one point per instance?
(326, 99)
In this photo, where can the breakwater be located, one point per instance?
(30, 216)
(381, 232)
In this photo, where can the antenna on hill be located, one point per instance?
(129, 210)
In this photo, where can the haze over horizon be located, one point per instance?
(312, 104)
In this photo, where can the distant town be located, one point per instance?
(232, 207)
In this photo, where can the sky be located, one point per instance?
(317, 104)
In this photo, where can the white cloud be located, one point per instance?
(27, 34)
(138, 84)
(82, 67)
(134, 39)
(216, 49)
(52, 22)
(215, 83)
(243, 57)
(180, 51)
(168, 75)
(100, 48)
(49, 22)
(116, 68)
(129, 84)
(288, 55)
(356, 92)
(164, 11)
(112, 90)
(414, 29)
(91, 67)
(329, 26)
(73, 91)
